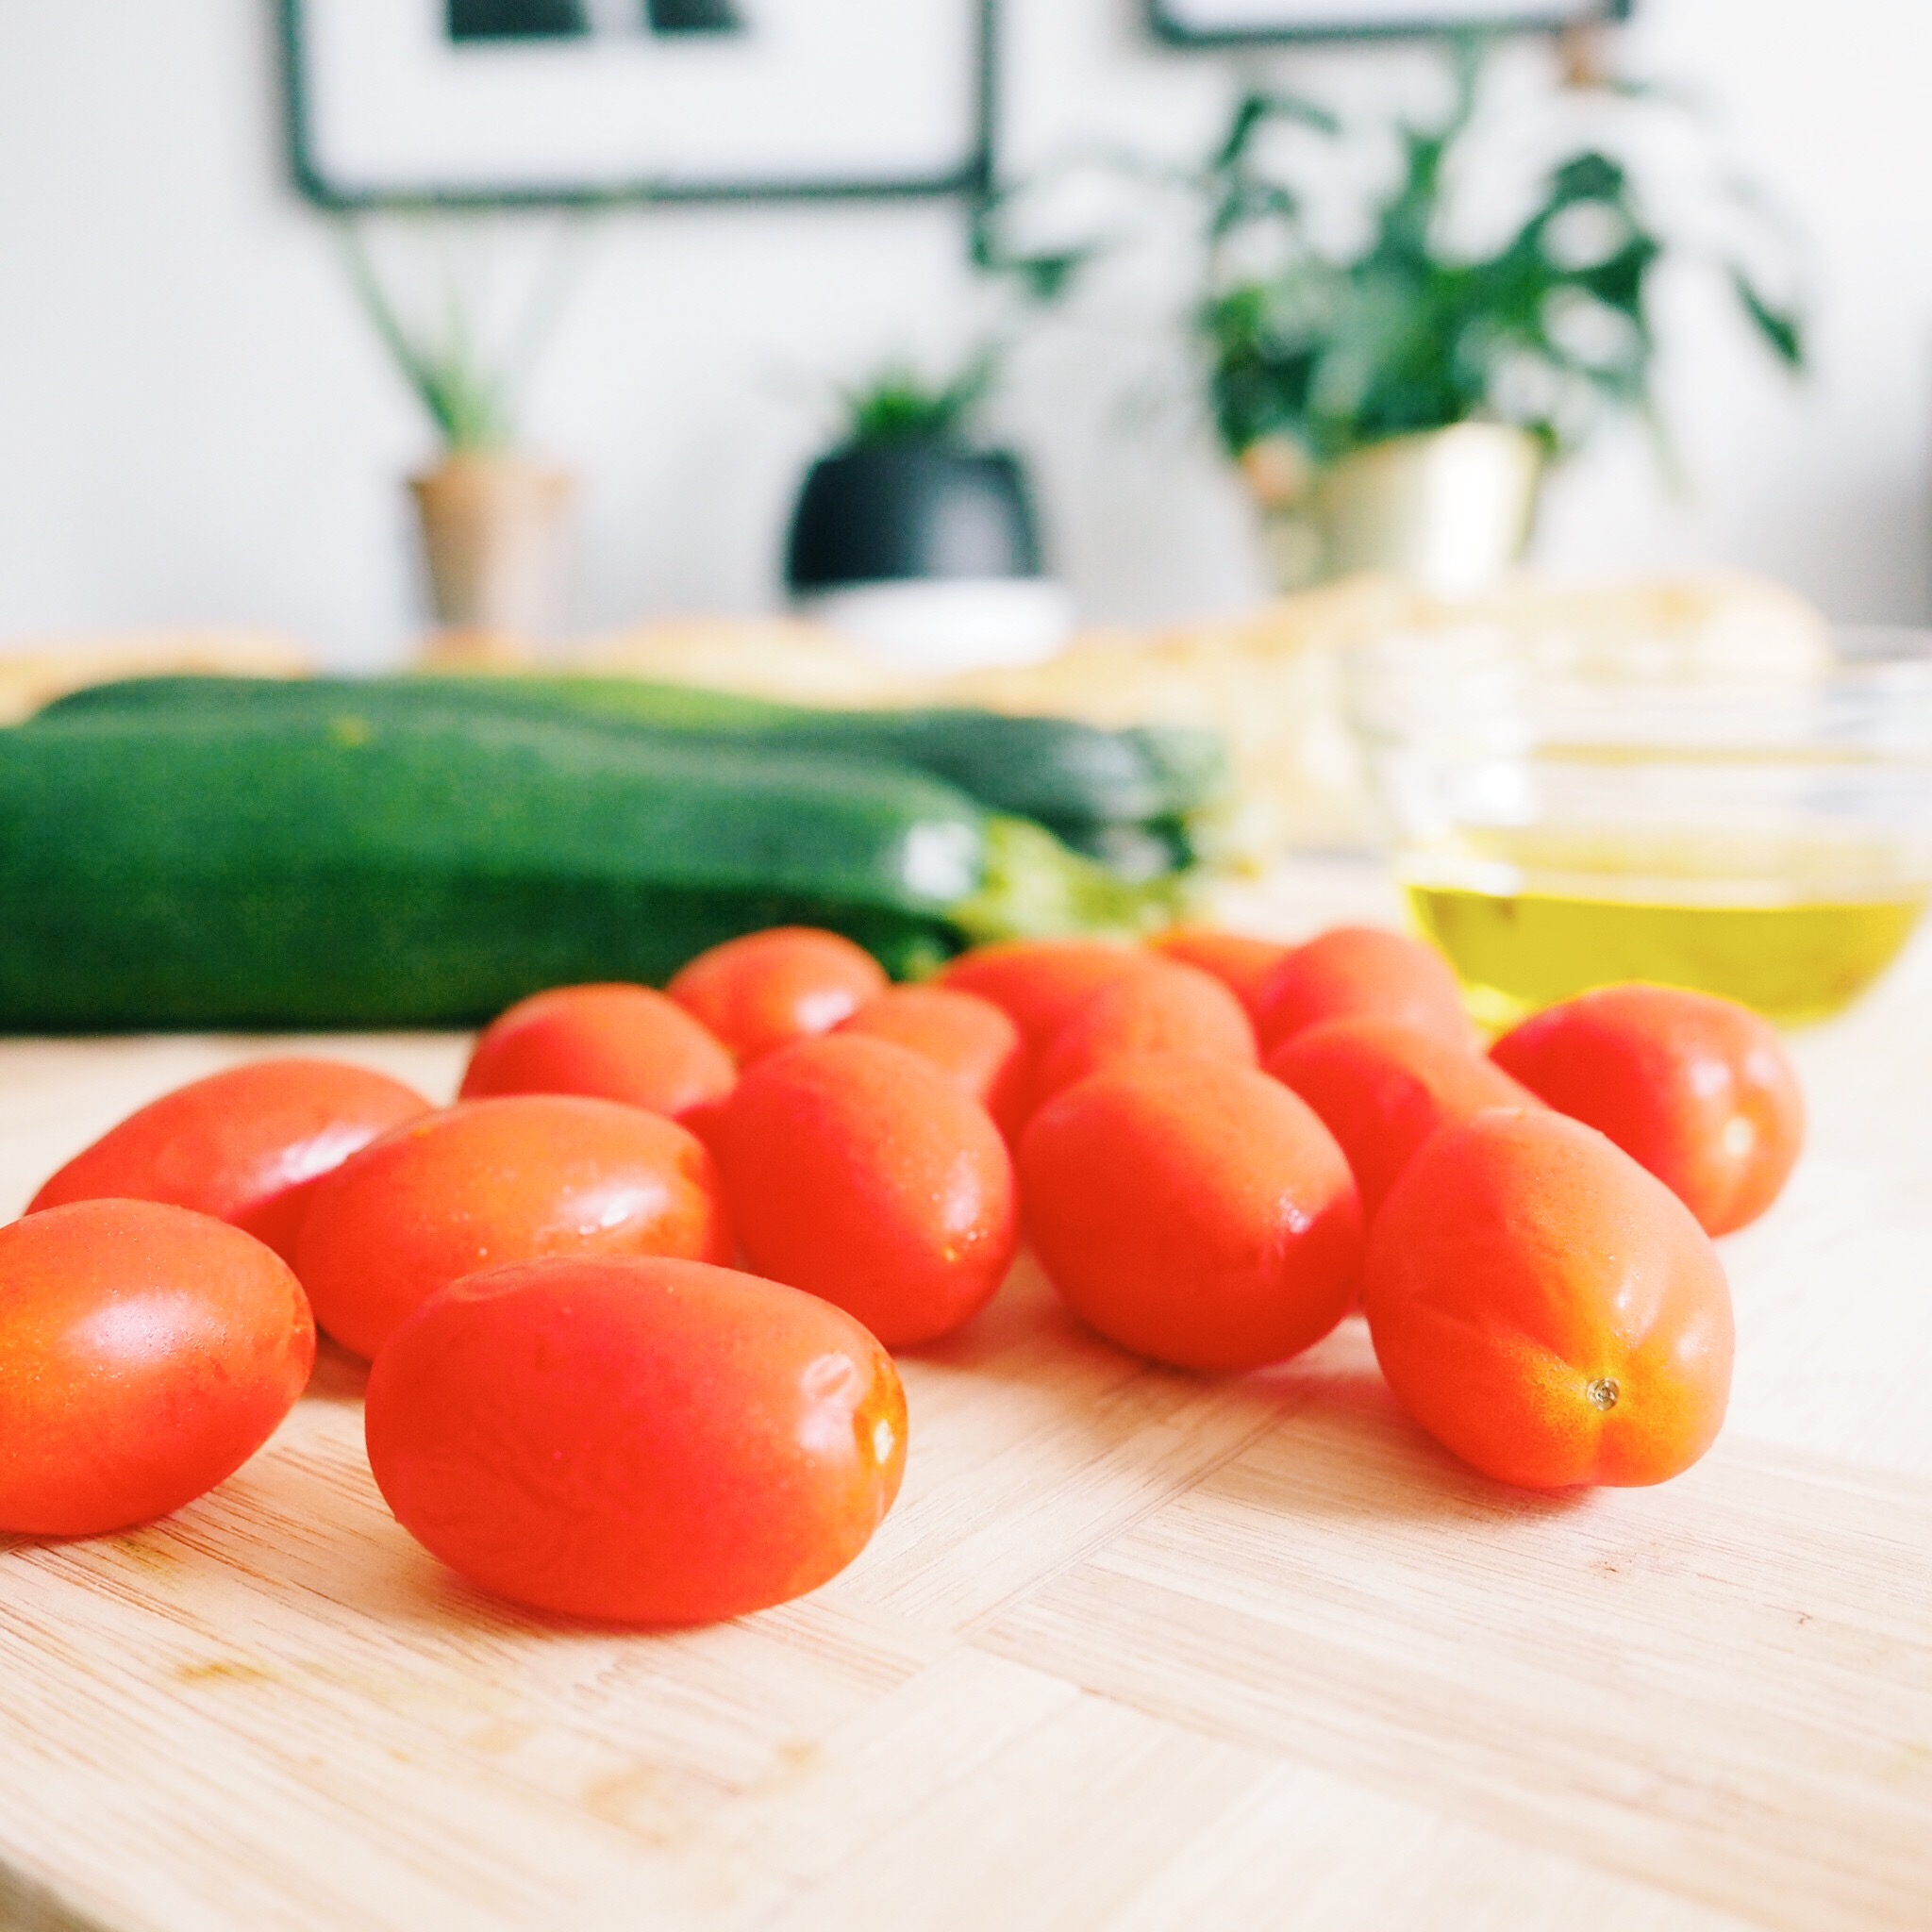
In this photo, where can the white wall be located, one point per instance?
(196, 426)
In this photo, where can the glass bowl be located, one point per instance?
(1571, 813)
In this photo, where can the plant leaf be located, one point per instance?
(1255, 110)
(1782, 329)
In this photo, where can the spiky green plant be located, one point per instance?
(469, 390)
(898, 404)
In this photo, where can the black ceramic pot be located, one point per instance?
(896, 511)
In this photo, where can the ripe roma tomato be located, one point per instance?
(610, 1042)
(146, 1353)
(1161, 1009)
(491, 1181)
(1546, 1308)
(858, 1172)
(1361, 973)
(1383, 1087)
(638, 1442)
(245, 1145)
(762, 991)
(1695, 1088)
(1193, 1210)
(967, 1037)
(1240, 962)
(1037, 983)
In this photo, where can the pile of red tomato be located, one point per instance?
(628, 1302)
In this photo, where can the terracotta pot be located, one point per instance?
(495, 534)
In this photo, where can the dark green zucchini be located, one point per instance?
(1071, 776)
(164, 871)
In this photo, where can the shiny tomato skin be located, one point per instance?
(1242, 962)
(1165, 1007)
(636, 1441)
(1037, 983)
(968, 1039)
(146, 1353)
(1361, 973)
(515, 1178)
(1696, 1089)
(245, 1145)
(607, 1043)
(768, 988)
(858, 1172)
(1546, 1308)
(1193, 1210)
(1382, 1087)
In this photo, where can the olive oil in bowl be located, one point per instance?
(1795, 960)
(1566, 817)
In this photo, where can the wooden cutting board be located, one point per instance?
(1136, 1650)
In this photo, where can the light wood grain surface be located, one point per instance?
(1135, 1651)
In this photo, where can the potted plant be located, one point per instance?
(1391, 403)
(493, 519)
(1390, 389)
(916, 541)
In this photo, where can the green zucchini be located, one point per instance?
(1071, 776)
(162, 871)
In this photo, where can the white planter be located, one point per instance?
(1449, 511)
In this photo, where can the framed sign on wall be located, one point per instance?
(1235, 23)
(399, 103)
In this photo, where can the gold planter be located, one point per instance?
(495, 539)
(1448, 511)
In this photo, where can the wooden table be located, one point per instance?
(1135, 1650)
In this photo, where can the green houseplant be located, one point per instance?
(1392, 401)
(1389, 379)
(898, 403)
(917, 541)
(493, 519)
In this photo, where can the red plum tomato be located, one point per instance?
(1382, 1087)
(607, 1043)
(1547, 1309)
(1037, 983)
(245, 1145)
(146, 1353)
(1696, 1089)
(859, 1172)
(1361, 972)
(1162, 1008)
(488, 1181)
(1240, 961)
(1193, 1210)
(967, 1037)
(768, 988)
(634, 1441)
